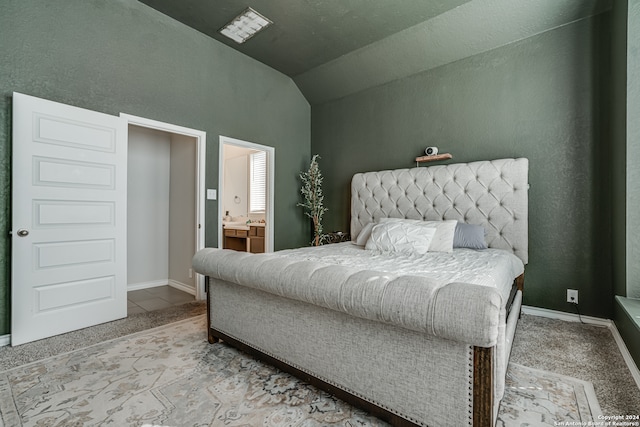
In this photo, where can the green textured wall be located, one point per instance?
(540, 98)
(122, 56)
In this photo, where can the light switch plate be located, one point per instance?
(212, 194)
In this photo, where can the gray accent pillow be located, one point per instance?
(469, 236)
(362, 238)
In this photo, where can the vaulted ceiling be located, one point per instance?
(332, 48)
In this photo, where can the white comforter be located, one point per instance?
(495, 268)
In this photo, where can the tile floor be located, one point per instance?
(150, 299)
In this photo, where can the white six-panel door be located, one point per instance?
(69, 237)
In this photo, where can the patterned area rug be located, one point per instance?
(540, 398)
(170, 376)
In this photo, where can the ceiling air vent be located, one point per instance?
(245, 26)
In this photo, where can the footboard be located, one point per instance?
(454, 386)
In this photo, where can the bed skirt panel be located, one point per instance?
(420, 377)
(512, 321)
(506, 332)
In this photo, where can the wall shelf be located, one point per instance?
(443, 156)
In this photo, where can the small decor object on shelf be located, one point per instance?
(313, 198)
(431, 151)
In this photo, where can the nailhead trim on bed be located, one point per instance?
(470, 382)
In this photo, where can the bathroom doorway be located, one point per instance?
(246, 189)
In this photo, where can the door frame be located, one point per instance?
(201, 146)
(271, 162)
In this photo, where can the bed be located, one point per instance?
(415, 338)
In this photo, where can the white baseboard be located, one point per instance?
(182, 286)
(569, 317)
(5, 340)
(146, 285)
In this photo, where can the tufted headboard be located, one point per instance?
(490, 193)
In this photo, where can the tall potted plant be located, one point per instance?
(313, 198)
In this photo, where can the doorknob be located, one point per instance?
(22, 232)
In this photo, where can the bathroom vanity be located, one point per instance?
(244, 238)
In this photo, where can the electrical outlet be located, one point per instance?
(191, 273)
(572, 296)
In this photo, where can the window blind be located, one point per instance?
(258, 182)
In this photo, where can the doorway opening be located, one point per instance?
(165, 209)
(246, 193)
(69, 209)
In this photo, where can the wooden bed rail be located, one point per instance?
(483, 387)
(520, 282)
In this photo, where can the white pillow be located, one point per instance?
(401, 236)
(443, 239)
(362, 238)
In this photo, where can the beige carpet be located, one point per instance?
(587, 352)
(170, 376)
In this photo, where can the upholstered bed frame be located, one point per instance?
(445, 374)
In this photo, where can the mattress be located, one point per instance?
(496, 268)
